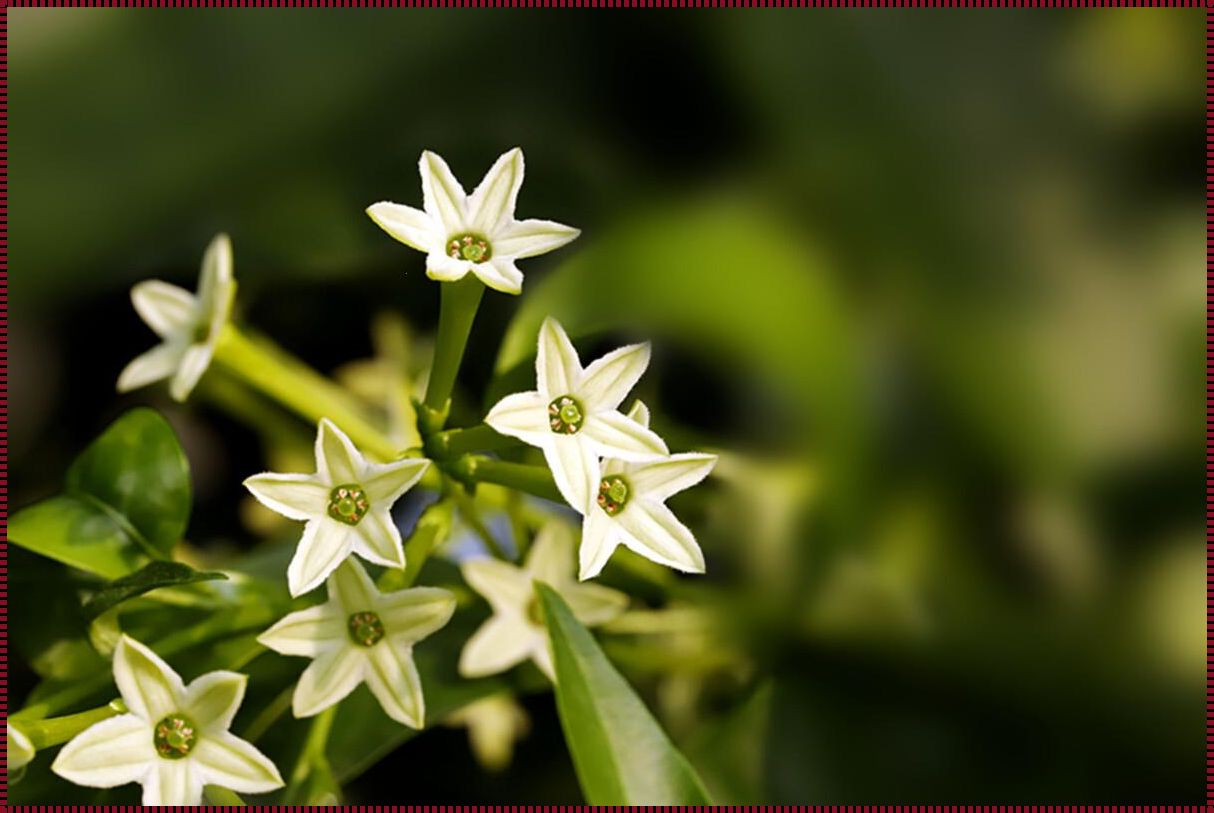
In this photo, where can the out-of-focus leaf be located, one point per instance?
(127, 498)
(621, 754)
(150, 577)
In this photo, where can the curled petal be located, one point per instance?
(491, 204)
(111, 753)
(392, 677)
(296, 496)
(608, 379)
(156, 364)
(323, 546)
(444, 198)
(527, 238)
(230, 762)
(499, 644)
(167, 309)
(410, 226)
(575, 468)
(149, 686)
(557, 368)
(653, 531)
(523, 415)
(619, 437)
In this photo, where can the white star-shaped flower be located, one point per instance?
(573, 415)
(630, 508)
(347, 505)
(475, 233)
(175, 739)
(189, 324)
(360, 635)
(515, 632)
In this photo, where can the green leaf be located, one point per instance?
(621, 754)
(127, 498)
(147, 578)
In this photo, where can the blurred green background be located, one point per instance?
(931, 281)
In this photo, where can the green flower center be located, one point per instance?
(202, 332)
(175, 736)
(470, 247)
(565, 415)
(365, 628)
(348, 503)
(613, 494)
(534, 613)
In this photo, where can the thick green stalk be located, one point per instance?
(535, 480)
(459, 302)
(58, 730)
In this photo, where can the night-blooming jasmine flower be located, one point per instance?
(516, 632)
(20, 751)
(629, 508)
(572, 416)
(175, 739)
(360, 635)
(346, 504)
(476, 233)
(189, 324)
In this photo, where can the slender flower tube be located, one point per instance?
(630, 509)
(477, 233)
(361, 635)
(515, 632)
(573, 416)
(175, 739)
(188, 324)
(346, 505)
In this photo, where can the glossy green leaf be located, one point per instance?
(126, 499)
(150, 577)
(622, 755)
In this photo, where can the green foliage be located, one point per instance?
(621, 754)
(150, 577)
(126, 499)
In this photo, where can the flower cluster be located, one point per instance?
(609, 466)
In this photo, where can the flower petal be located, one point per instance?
(410, 615)
(639, 413)
(149, 686)
(499, 644)
(156, 364)
(575, 468)
(500, 274)
(352, 588)
(212, 699)
(506, 587)
(377, 539)
(172, 783)
(307, 632)
(608, 379)
(657, 481)
(523, 415)
(593, 604)
(599, 541)
(551, 556)
(297, 496)
(412, 227)
(491, 204)
(527, 238)
(229, 762)
(337, 461)
(444, 198)
(167, 309)
(392, 677)
(324, 544)
(194, 363)
(557, 368)
(541, 656)
(215, 279)
(111, 753)
(619, 437)
(653, 531)
(327, 680)
(386, 482)
(446, 269)
(19, 751)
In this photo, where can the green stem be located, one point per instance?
(455, 442)
(459, 302)
(299, 388)
(57, 730)
(269, 714)
(222, 796)
(535, 480)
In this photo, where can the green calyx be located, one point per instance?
(613, 494)
(365, 628)
(565, 415)
(348, 503)
(470, 247)
(175, 736)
